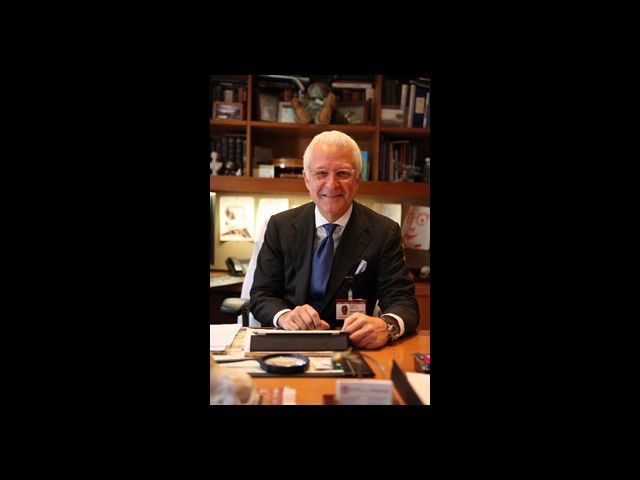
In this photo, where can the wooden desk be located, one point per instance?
(310, 391)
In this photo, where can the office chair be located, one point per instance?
(240, 306)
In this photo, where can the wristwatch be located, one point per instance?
(393, 332)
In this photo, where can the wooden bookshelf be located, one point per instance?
(290, 139)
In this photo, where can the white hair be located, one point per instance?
(337, 140)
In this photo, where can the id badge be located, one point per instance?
(344, 308)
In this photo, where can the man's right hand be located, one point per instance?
(303, 317)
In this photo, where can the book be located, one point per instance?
(412, 105)
(365, 165)
(419, 107)
(404, 94)
(427, 113)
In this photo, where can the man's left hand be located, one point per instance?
(365, 331)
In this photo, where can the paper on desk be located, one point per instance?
(249, 366)
(321, 363)
(223, 356)
(221, 336)
(421, 384)
(280, 330)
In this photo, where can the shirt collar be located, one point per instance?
(342, 221)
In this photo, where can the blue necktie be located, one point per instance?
(321, 267)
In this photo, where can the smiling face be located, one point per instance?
(332, 195)
(415, 230)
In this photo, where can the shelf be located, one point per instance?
(229, 183)
(287, 129)
(228, 126)
(405, 132)
(395, 189)
(219, 183)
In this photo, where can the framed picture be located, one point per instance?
(286, 113)
(392, 115)
(228, 110)
(267, 107)
(355, 112)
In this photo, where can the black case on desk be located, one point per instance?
(299, 342)
(350, 368)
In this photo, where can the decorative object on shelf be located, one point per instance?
(228, 110)
(288, 167)
(236, 218)
(286, 113)
(215, 164)
(354, 112)
(318, 106)
(263, 166)
(426, 169)
(268, 107)
(417, 227)
(416, 233)
(392, 116)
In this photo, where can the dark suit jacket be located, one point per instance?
(283, 267)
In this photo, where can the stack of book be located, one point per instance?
(419, 93)
(406, 102)
(232, 152)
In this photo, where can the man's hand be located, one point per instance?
(365, 331)
(303, 317)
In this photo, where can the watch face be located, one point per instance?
(393, 331)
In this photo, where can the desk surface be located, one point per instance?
(232, 288)
(310, 391)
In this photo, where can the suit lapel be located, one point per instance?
(303, 230)
(352, 243)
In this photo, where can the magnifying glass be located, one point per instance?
(280, 363)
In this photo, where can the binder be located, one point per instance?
(419, 107)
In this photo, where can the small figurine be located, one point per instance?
(317, 106)
(229, 167)
(214, 163)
